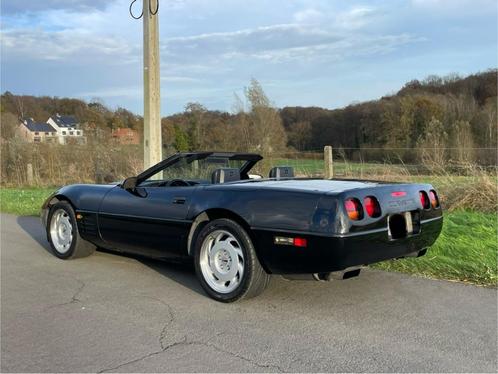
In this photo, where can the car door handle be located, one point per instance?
(179, 200)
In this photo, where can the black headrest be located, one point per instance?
(225, 175)
(282, 172)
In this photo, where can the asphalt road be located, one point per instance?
(110, 313)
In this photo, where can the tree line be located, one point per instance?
(449, 118)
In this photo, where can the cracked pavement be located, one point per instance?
(112, 313)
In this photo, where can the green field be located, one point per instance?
(465, 251)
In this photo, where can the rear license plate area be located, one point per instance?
(402, 225)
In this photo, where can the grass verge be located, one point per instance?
(23, 201)
(466, 250)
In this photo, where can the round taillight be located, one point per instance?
(424, 200)
(354, 209)
(434, 199)
(372, 206)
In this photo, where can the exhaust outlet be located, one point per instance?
(416, 254)
(346, 273)
(326, 277)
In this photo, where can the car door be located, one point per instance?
(149, 220)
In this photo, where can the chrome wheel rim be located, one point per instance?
(61, 231)
(222, 261)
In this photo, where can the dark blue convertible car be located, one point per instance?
(241, 228)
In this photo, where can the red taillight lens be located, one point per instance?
(434, 199)
(300, 242)
(354, 209)
(372, 206)
(424, 200)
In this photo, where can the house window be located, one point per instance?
(37, 133)
(63, 133)
(70, 133)
(78, 133)
(47, 133)
(36, 140)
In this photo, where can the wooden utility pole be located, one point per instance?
(152, 87)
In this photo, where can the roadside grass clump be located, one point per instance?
(465, 251)
(477, 190)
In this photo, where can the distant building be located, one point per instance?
(67, 128)
(37, 132)
(125, 136)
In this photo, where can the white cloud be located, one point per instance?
(456, 6)
(126, 91)
(18, 6)
(355, 18)
(279, 43)
(71, 46)
(309, 16)
(179, 79)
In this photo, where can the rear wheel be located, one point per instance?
(226, 262)
(63, 235)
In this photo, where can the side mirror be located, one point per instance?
(129, 184)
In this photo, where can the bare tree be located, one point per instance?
(9, 124)
(463, 142)
(433, 144)
(266, 130)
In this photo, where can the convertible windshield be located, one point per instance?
(197, 168)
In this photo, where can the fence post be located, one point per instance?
(328, 162)
(29, 174)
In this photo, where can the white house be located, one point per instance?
(67, 127)
(37, 132)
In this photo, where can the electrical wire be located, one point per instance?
(152, 12)
(157, 8)
(131, 11)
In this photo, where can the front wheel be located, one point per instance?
(63, 235)
(226, 262)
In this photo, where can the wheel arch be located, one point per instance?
(56, 198)
(209, 215)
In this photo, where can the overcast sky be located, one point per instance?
(304, 52)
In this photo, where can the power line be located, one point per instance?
(131, 11)
(152, 12)
(157, 8)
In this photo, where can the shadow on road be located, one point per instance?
(33, 227)
(180, 272)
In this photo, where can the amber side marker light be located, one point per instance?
(354, 209)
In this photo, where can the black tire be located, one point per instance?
(78, 247)
(254, 280)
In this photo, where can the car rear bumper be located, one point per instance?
(338, 252)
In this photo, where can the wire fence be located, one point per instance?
(371, 162)
(54, 165)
